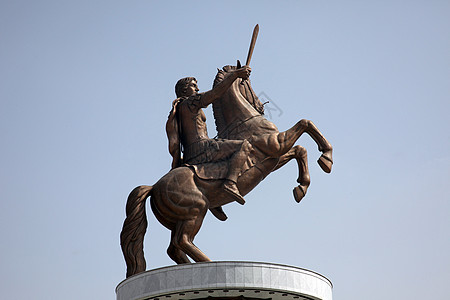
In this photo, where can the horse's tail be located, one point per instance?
(133, 230)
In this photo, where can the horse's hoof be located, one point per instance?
(299, 193)
(325, 163)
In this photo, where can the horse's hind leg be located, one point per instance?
(300, 155)
(176, 254)
(184, 234)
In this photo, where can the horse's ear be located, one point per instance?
(238, 64)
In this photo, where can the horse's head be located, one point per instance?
(236, 106)
(244, 87)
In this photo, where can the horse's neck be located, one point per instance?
(231, 110)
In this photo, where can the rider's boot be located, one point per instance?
(237, 162)
(231, 188)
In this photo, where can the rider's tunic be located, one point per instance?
(197, 146)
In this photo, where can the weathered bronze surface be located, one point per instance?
(214, 172)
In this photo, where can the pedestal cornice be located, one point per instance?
(226, 280)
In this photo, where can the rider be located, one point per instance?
(186, 125)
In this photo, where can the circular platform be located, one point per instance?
(226, 280)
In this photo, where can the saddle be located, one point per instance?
(216, 170)
(210, 171)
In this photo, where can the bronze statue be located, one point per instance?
(186, 123)
(214, 172)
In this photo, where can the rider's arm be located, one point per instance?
(210, 96)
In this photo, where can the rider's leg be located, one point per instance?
(236, 152)
(238, 160)
(236, 163)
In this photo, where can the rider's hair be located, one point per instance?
(182, 85)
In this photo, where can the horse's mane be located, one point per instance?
(217, 105)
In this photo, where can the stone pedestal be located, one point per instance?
(226, 280)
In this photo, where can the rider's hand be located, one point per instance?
(244, 72)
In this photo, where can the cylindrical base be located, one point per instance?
(226, 280)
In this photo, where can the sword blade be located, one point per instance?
(252, 44)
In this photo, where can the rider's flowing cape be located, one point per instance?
(173, 134)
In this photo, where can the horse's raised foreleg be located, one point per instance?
(326, 159)
(300, 155)
(277, 144)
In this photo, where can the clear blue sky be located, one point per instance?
(85, 90)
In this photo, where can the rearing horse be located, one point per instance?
(181, 198)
